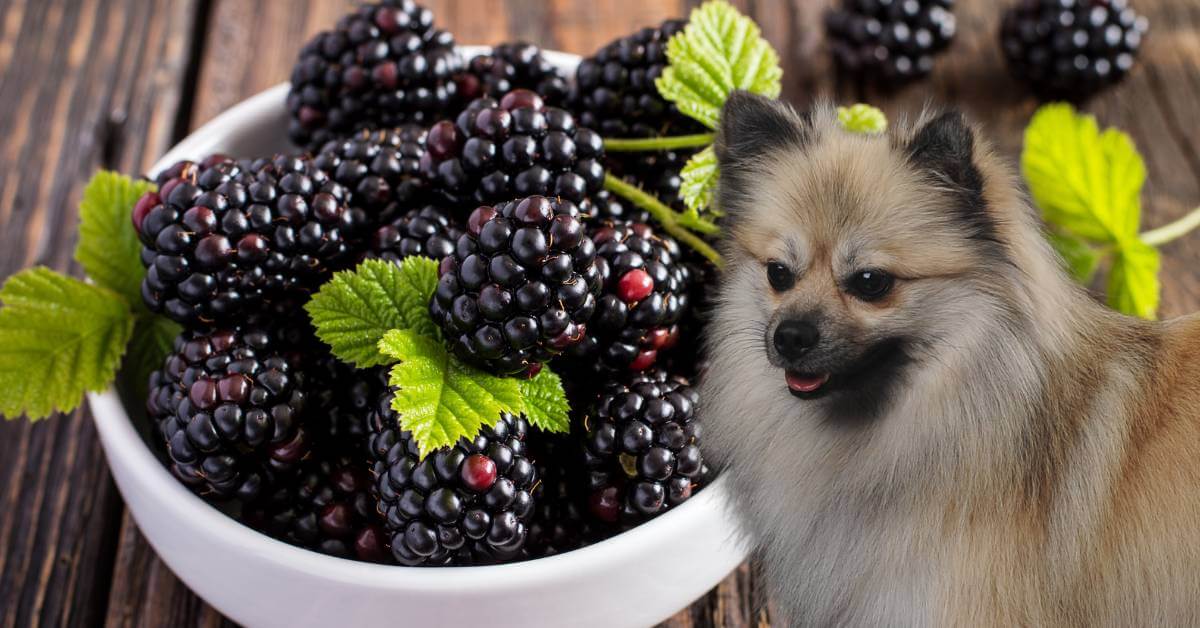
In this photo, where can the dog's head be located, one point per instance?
(856, 257)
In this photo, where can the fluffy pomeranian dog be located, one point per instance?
(923, 420)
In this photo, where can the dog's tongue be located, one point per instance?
(805, 383)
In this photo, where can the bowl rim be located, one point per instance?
(117, 430)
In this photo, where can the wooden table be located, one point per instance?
(92, 84)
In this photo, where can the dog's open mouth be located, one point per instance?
(806, 385)
(876, 366)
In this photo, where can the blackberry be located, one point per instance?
(426, 232)
(889, 42)
(231, 407)
(560, 521)
(468, 504)
(497, 151)
(520, 286)
(642, 447)
(644, 297)
(381, 169)
(382, 66)
(608, 206)
(327, 506)
(220, 237)
(509, 66)
(1071, 49)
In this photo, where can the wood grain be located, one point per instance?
(83, 85)
(92, 83)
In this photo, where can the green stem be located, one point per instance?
(625, 145)
(663, 214)
(1168, 232)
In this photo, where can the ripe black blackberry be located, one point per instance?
(509, 66)
(497, 151)
(890, 42)
(220, 237)
(642, 447)
(560, 521)
(381, 169)
(1071, 49)
(382, 66)
(520, 286)
(606, 206)
(328, 506)
(645, 295)
(469, 504)
(424, 232)
(231, 408)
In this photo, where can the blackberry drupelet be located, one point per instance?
(424, 232)
(890, 42)
(509, 66)
(381, 169)
(231, 409)
(497, 151)
(645, 295)
(642, 447)
(469, 504)
(1071, 49)
(221, 237)
(382, 66)
(520, 286)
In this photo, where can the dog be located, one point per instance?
(921, 419)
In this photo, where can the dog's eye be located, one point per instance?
(780, 276)
(869, 285)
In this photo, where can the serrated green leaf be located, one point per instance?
(545, 403)
(355, 308)
(59, 338)
(719, 50)
(699, 176)
(1084, 181)
(862, 118)
(438, 398)
(1081, 260)
(108, 248)
(1133, 286)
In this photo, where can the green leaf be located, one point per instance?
(153, 337)
(1084, 181)
(1081, 260)
(355, 308)
(699, 176)
(545, 402)
(719, 50)
(862, 118)
(440, 399)
(59, 337)
(1133, 286)
(108, 248)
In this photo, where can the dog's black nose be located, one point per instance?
(793, 338)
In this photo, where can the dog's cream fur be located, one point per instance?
(1038, 462)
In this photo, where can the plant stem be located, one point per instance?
(625, 145)
(1168, 232)
(664, 215)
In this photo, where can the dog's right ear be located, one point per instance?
(752, 126)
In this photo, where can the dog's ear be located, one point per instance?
(944, 147)
(752, 126)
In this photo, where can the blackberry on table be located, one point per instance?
(382, 66)
(1071, 49)
(520, 286)
(890, 42)
(469, 504)
(509, 66)
(231, 407)
(380, 168)
(220, 237)
(517, 147)
(426, 232)
(642, 447)
(644, 297)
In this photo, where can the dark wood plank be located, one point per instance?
(83, 85)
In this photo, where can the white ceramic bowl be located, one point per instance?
(634, 579)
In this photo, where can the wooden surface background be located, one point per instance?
(86, 84)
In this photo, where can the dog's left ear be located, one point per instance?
(945, 147)
(751, 127)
